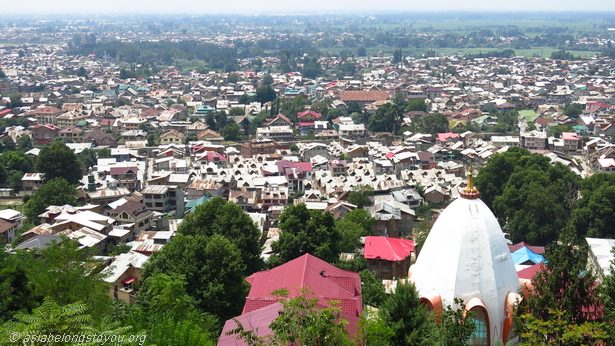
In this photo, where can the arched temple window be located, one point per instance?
(481, 324)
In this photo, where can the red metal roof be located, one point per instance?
(443, 137)
(301, 166)
(324, 281)
(122, 170)
(536, 249)
(309, 114)
(257, 321)
(529, 272)
(386, 248)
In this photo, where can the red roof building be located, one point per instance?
(389, 258)
(390, 249)
(308, 116)
(302, 167)
(324, 282)
(536, 249)
(364, 96)
(447, 137)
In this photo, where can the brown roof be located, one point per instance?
(5, 226)
(364, 96)
(46, 110)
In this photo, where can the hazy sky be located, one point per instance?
(294, 6)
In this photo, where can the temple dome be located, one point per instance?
(466, 256)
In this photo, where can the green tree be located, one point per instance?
(64, 273)
(7, 144)
(231, 132)
(492, 178)
(432, 123)
(213, 270)
(373, 330)
(361, 196)
(594, 213)
(219, 217)
(24, 143)
(562, 54)
(15, 289)
(82, 72)
(14, 181)
(565, 285)
(15, 101)
(398, 56)
(153, 138)
(301, 322)
(53, 318)
(321, 107)
(556, 330)
(456, 324)
(372, 289)
(348, 68)
(59, 161)
(333, 113)
(54, 192)
(166, 295)
(163, 330)
(236, 111)
(265, 93)
(4, 175)
(409, 320)
(16, 161)
(573, 110)
(305, 231)
(536, 200)
(291, 106)
(88, 157)
(168, 314)
(232, 78)
(103, 153)
(352, 227)
(414, 105)
(311, 68)
(386, 119)
(607, 297)
(267, 79)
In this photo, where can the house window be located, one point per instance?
(481, 324)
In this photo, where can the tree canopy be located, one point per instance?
(410, 322)
(219, 217)
(53, 192)
(58, 161)
(301, 321)
(212, 267)
(305, 231)
(431, 123)
(531, 197)
(594, 213)
(386, 119)
(352, 227)
(564, 302)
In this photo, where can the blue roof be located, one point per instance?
(192, 204)
(525, 255)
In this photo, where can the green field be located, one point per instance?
(544, 52)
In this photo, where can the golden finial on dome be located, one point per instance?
(470, 191)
